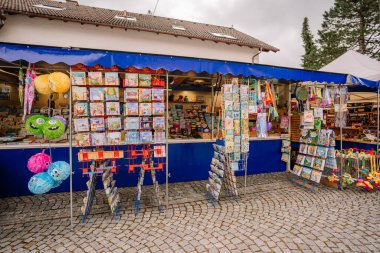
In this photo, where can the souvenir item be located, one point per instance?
(98, 139)
(324, 137)
(96, 109)
(59, 170)
(311, 150)
(39, 162)
(303, 148)
(326, 100)
(297, 170)
(79, 93)
(321, 152)
(146, 123)
(29, 91)
(132, 123)
(308, 117)
(97, 124)
(81, 125)
(53, 129)
(261, 125)
(132, 137)
(145, 109)
(113, 124)
(306, 172)
(319, 163)
(145, 80)
(112, 93)
(316, 176)
(113, 108)
(42, 84)
(159, 137)
(308, 161)
(96, 94)
(35, 123)
(41, 183)
(131, 94)
(21, 86)
(159, 123)
(158, 95)
(300, 159)
(131, 80)
(114, 138)
(78, 78)
(95, 78)
(340, 106)
(111, 78)
(81, 109)
(318, 113)
(145, 95)
(59, 82)
(83, 139)
(158, 108)
(228, 123)
(131, 109)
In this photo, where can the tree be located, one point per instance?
(349, 24)
(309, 59)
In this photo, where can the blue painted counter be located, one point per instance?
(187, 162)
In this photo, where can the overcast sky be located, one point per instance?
(277, 22)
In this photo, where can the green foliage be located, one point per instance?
(309, 59)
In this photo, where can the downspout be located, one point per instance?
(2, 18)
(253, 57)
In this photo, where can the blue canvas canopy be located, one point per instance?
(90, 57)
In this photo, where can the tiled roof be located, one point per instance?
(74, 12)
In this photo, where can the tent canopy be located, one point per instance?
(89, 57)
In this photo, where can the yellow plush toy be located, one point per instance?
(41, 83)
(59, 82)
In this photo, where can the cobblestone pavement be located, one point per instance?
(273, 216)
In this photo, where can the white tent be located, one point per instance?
(355, 64)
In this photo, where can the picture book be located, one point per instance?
(243, 89)
(83, 139)
(158, 95)
(159, 123)
(227, 88)
(297, 170)
(78, 78)
(79, 93)
(309, 160)
(98, 139)
(114, 138)
(229, 147)
(159, 137)
(300, 159)
(146, 137)
(131, 109)
(81, 125)
(145, 109)
(228, 105)
(158, 108)
(145, 80)
(112, 93)
(236, 148)
(245, 147)
(145, 95)
(316, 176)
(97, 124)
(111, 78)
(228, 124)
(319, 163)
(228, 138)
(131, 80)
(113, 108)
(96, 109)
(131, 94)
(321, 152)
(81, 109)
(113, 124)
(132, 137)
(306, 172)
(95, 78)
(303, 148)
(236, 123)
(331, 152)
(96, 94)
(159, 151)
(236, 106)
(324, 137)
(132, 123)
(312, 150)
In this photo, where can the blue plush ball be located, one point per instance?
(57, 183)
(40, 183)
(59, 171)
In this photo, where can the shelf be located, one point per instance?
(187, 102)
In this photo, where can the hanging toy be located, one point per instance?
(29, 91)
(53, 129)
(59, 82)
(326, 100)
(39, 162)
(34, 124)
(41, 183)
(312, 97)
(59, 170)
(62, 119)
(21, 86)
(268, 95)
(42, 84)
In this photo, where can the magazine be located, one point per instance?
(113, 124)
(131, 80)
(111, 78)
(78, 78)
(95, 78)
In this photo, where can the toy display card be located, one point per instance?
(83, 139)
(311, 150)
(146, 123)
(159, 123)
(132, 123)
(306, 172)
(113, 108)
(158, 95)
(95, 78)
(97, 94)
(300, 159)
(79, 93)
(98, 139)
(321, 152)
(131, 94)
(112, 93)
(81, 109)
(114, 138)
(131, 80)
(145, 95)
(158, 108)
(309, 160)
(159, 151)
(316, 176)
(159, 137)
(81, 125)
(297, 170)
(78, 78)
(97, 124)
(131, 109)
(319, 163)
(113, 124)
(303, 148)
(111, 78)
(146, 137)
(96, 109)
(145, 80)
(132, 137)
(145, 109)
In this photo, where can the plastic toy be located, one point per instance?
(40, 183)
(333, 178)
(34, 124)
(53, 129)
(59, 82)
(347, 180)
(42, 84)
(39, 162)
(59, 170)
(368, 186)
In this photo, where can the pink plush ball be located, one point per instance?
(39, 162)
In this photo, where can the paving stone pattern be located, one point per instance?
(273, 216)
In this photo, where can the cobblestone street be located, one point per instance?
(274, 216)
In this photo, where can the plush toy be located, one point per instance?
(62, 119)
(34, 124)
(347, 180)
(53, 129)
(39, 162)
(41, 84)
(40, 183)
(59, 171)
(59, 82)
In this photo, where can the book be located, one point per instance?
(228, 124)
(306, 172)
(146, 137)
(300, 159)
(81, 125)
(98, 139)
(145, 95)
(78, 78)
(95, 78)
(81, 109)
(112, 93)
(131, 94)
(111, 78)
(159, 151)
(113, 108)
(309, 160)
(158, 95)
(79, 93)
(159, 137)
(316, 176)
(132, 137)
(114, 138)
(229, 147)
(96, 94)
(303, 148)
(145, 80)
(113, 124)
(146, 123)
(131, 109)
(132, 123)
(97, 124)
(131, 80)
(319, 163)
(96, 109)
(82, 139)
(145, 109)
(321, 152)
(159, 123)
(312, 150)
(158, 108)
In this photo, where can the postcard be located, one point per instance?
(131, 80)
(159, 137)
(312, 150)
(319, 163)
(158, 108)
(98, 139)
(308, 161)
(159, 123)
(79, 93)
(112, 93)
(300, 159)
(95, 78)
(83, 139)
(81, 125)
(146, 137)
(111, 78)
(321, 152)
(96, 94)
(131, 94)
(114, 138)
(303, 148)
(113, 124)
(145, 109)
(113, 108)
(132, 137)
(96, 109)
(132, 123)
(306, 172)
(229, 124)
(227, 88)
(158, 95)
(145, 95)
(131, 109)
(78, 78)
(297, 169)
(145, 80)
(81, 109)
(229, 147)
(97, 124)
(316, 176)
(146, 123)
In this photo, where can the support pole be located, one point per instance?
(245, 158)
(212, 111)
(71, 156)
(377, 133)
(341, 131)
(289, 124)
(166, 143)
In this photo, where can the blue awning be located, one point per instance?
(89, 57)
(365, 82)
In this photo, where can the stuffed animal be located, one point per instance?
(59, 171)
(40, 183)
(39, 162)
(34, 124)
(53, 129)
